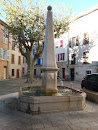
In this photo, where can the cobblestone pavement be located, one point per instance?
(12, 119)
(12, 86)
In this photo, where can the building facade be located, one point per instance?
(83, 45)
(62, 56)
(4, 51)
(15, 60)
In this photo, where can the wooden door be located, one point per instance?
(17, 73)
(72, 74)
(5, 72)
(63, 73)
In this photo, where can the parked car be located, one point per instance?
(90, 82)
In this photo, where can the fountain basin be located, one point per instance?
(55, 103)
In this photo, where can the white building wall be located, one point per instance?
(62, 64)
(87, 23)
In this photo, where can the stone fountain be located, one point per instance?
(58, 101)
(49, 68)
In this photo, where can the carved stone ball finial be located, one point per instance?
(49, 8)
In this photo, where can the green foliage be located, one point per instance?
(26, 21)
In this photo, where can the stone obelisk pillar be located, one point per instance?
(49, 68)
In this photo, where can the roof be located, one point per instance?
(89, 11)
(3, 23)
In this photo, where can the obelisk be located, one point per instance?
(49, 67)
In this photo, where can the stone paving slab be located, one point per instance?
(12, 119)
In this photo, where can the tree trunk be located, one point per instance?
(30, 72)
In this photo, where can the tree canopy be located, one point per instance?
(26, 21)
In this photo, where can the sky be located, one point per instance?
(78, 6)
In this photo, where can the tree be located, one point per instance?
(26, 22)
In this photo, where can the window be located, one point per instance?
(12, 58)
(86, 39)
(61, 43)
(34, 71)
(85, 57)
(33, 51)
(69, 42)
(73, 58)
(13, 45)
(19, 60)
(61, 56)
(5, 36)
(23, 59)
(74, 41)
(77, 41)
(4, 54)
(88, 72)
(38, 61)
(12, 72)
(22, 70)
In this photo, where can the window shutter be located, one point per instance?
(61, 43)
(63, 56)
(12, 58)
(58, 57)
(19, 60)
(7, 55)
(1, 53)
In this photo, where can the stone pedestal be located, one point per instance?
(49, 81)
(49, 68)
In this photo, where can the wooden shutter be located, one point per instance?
(61, 43)
(12, 58)
(19, 60)
(58, 57)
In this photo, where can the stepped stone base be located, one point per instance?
(46, 104)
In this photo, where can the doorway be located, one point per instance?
(63, 73)
(5, 72)
(17, 73)
(72, 74)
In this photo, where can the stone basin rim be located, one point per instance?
(21, 89)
